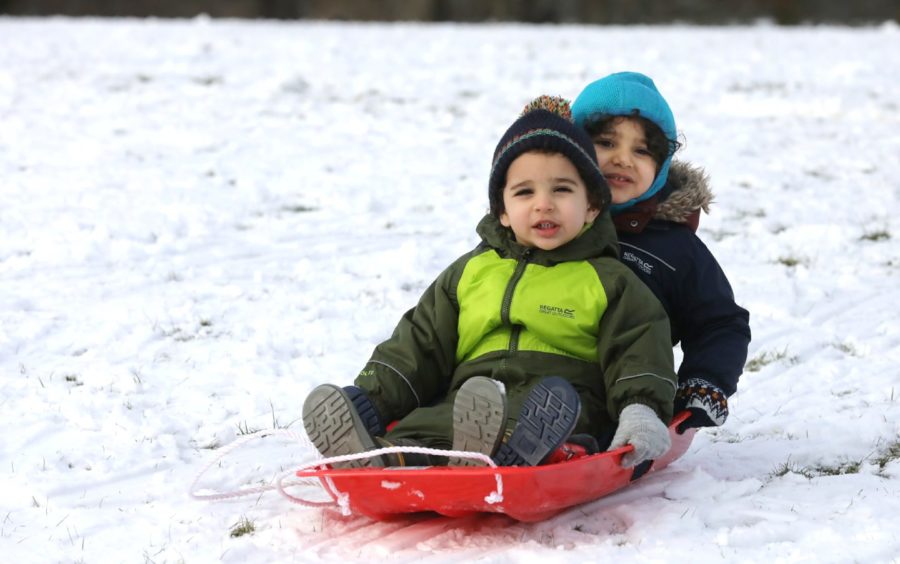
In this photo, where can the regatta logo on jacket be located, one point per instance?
(645, 266)
(502, 307)
(557, 311)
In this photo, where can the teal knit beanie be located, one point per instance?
(625, 94)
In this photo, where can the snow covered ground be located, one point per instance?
(201, 220)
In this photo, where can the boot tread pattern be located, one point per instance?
(334, 427)
(479, 418)
(549, 414)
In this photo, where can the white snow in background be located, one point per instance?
(201, 220)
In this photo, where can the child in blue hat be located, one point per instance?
(656, 205)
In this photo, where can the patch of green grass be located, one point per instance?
(883, 457)
(820, 174)
(245, 429)
(299, 208)
(765, 358)
(791, 261)
(207, 80)
(877, 235)
(818, 470)
(744, 214)
(846, 348)
(785, 468)
(243, 527)
(839, 469)
(721, 234)
(73, 379)
(891, 453)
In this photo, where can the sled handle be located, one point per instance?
(646, 465)
(641, 469)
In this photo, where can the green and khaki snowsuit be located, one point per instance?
(517, 315)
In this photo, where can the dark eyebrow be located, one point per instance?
(614, 135)
(521, 184)
(565, 179)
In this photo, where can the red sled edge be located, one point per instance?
(525, 493)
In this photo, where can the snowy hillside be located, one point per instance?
(202, 220)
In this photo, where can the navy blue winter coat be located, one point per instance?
(658, 241)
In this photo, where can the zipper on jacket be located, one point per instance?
(514, 338)
(507, 300)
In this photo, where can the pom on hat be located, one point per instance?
(546, 125)
(556, 104)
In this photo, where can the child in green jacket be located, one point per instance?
(538, 333)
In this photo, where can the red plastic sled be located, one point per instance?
(524, 493)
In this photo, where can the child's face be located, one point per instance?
(627, 165)
(545, 200)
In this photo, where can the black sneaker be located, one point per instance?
(479, 418)
(335, 428)
(548, 417)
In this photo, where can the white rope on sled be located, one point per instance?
(341, 499)
(225, 451)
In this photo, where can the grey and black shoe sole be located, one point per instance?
(334, 427)
(479, 419)
(549, 414)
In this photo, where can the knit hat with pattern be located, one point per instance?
(626, 94)
(546, 124)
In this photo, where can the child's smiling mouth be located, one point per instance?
(546, 228)
(619, 179)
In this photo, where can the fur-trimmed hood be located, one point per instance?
(686, 193)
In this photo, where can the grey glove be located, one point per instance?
(641, 428)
